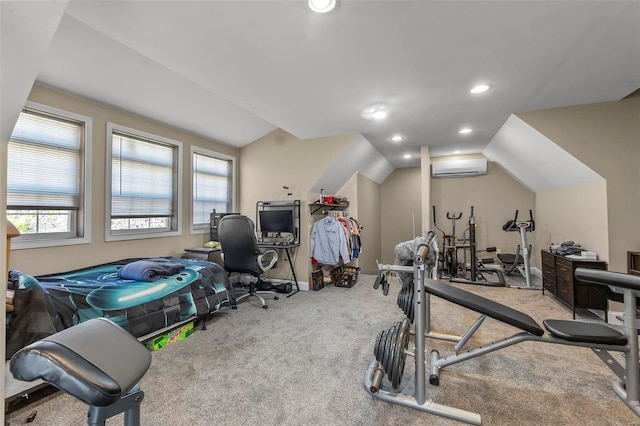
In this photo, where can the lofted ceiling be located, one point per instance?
(234, 71)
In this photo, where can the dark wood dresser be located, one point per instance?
(558, 279)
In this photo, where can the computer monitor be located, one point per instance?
(276, 221)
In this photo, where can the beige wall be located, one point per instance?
(606, 137)
(58, 259)
(400, 207)
(369, 201)
(589, 218)
(281, 159)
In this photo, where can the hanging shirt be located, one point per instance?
(328, 242)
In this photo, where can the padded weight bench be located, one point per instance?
(565, 332)
(96, 361)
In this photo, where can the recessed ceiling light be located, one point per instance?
(406, 156)
(380, 114)
(479, 88)
(465, 130)
(397, 138)
(322, 6)
(374, 112)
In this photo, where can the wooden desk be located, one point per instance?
(204, 253)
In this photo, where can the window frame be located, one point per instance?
(82, 225)
(203, 228)
(175, 228)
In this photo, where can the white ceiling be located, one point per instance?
(234, 71)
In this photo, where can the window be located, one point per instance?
(212, 187)
(47, 177)
(142, 184)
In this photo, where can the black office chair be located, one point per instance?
(241, 253)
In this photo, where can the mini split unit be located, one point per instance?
(458, 168)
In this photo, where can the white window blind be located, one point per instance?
(43, 166)
(212, 186)
(142, 178)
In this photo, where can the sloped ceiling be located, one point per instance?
(534, 160)
(27, 31)
(233, 71)
(359, 156)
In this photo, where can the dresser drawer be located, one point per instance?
(549, 274)
(548, 261)
(549, 284)
(564, 291)
(564, 270)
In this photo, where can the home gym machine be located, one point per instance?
(516, 262)
(450, 267)
(448, 263)
(598, 337)
(392, 345)
(475, 269)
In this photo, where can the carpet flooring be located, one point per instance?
(302, 362)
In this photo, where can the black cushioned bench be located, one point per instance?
(572, 331)
(96, 362)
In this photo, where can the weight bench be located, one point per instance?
(96, 362)
(565, 332)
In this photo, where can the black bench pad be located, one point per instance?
(584, 332)
(484, 306)
(95, 361)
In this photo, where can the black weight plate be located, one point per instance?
(395, 353)
(397, 368)
(381, 346)
(376, 346)
(391, 336)
(400, 359)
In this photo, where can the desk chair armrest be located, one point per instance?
(269, 254)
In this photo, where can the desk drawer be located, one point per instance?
(564, 291)
(564, 270)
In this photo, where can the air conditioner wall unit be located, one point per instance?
(459, 168)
